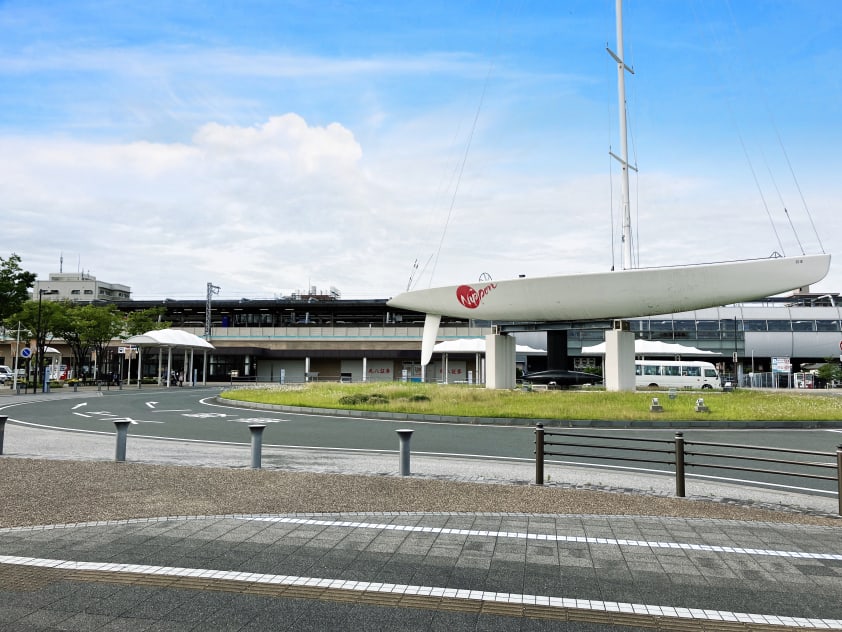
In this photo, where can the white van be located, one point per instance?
(678, 374)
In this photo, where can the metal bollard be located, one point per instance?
(679, 464)
(75, 388)
(122, 434)
(404, 436)
(3, 419)
(539, 453)
(256, 444)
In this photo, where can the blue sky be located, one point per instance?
(270, 146)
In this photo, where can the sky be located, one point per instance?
(269, 147)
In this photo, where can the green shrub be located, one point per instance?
(357, 399)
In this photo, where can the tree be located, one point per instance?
(81, 327)
(100, 325)
(38, 319)
(14, 286)
(831, 371)
(144, 320)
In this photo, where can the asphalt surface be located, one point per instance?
(409, 570)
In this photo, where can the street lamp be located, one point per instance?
(39, 337)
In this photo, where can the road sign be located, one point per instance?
(26, 352)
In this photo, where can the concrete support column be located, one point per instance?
(500, 356)
(169, 367)
(618, 371)
(557, 349)
(445, 369)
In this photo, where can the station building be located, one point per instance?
(319, 336)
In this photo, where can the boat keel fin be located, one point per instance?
(431, 332)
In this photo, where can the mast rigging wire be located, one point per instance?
(461, 169)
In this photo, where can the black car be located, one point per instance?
(559, 377)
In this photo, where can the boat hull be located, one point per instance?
(618, 294)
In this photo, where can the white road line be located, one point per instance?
(432, 591)
(548, 537)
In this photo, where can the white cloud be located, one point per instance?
(279, 206)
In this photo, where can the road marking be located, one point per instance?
(206, 415)
(79, 405)
(548, 537)
(136, 421)
(464, 596)
(151, 404)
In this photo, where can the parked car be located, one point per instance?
(6, 374)
(559, 377)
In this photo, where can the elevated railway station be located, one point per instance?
(295, 339)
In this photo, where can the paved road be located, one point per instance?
(192, 414)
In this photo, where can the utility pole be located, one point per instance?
(212, 289)
(40, 340)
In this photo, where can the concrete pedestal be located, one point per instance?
(500, 361)
(619, 361)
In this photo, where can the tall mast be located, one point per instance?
(623, 158)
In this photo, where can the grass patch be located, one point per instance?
(466, 401)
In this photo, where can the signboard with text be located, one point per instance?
(781, 365)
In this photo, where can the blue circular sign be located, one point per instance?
(25, 352)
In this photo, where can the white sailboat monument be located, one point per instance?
(627, 293)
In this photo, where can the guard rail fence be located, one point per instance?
(680, 454)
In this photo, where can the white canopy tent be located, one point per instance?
(654, 348)
(477, 347)
(170, 339)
